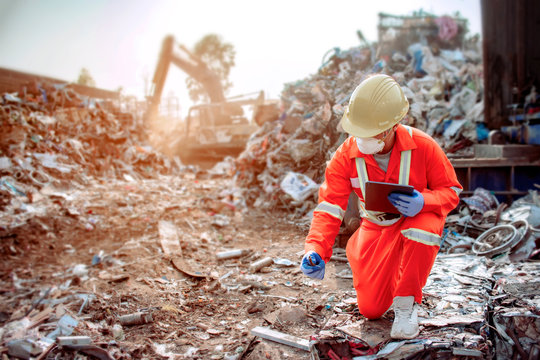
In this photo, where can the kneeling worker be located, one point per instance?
(391, 255)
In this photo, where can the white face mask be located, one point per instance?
(369, 145)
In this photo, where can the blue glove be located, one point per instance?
(408, 205)
(313, 265)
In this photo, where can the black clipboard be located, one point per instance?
(376, 195)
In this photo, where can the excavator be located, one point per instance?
(212, 130)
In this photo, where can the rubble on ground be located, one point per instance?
(112, 250)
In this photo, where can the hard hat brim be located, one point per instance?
(359, 131)
(353, 129)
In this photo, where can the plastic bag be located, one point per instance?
(298, 186)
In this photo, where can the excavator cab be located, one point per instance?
(216, 131)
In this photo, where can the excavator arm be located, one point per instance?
(180, 56)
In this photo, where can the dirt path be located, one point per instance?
(97, 252)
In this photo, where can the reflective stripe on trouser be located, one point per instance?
(389, 261)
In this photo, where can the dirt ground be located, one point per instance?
(94, 252)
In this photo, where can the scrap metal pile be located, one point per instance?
(486, 227)
(62, 139)
(444, 88)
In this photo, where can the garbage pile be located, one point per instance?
(444, 88)
(486, 227)
(59, 138)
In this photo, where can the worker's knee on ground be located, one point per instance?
(371, 312)
(371, 308)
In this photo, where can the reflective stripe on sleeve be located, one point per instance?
(422, 236)
(330, 209)
(355, 183)
(456, 189)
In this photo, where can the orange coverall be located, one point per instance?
(390, 255)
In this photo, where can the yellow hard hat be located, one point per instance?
(376, 105)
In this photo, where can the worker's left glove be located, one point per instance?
(408, 205)
(313, 265)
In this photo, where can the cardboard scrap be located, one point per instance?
(372, 332)
(282, 338)
(441, 321)
(170, 243)
(169, 239)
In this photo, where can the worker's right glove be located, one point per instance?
(313, 265)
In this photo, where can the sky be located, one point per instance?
(118, 41)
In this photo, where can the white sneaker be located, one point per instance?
(405, 324)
